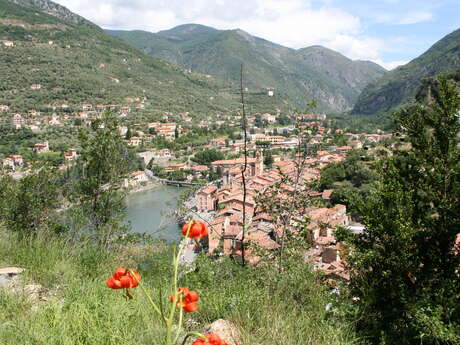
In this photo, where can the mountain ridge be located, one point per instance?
(400, 86)
(268, 65)
(53, 9)
(60, 59)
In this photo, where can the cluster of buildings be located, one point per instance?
(135, 179)
(16, 162)
(13, 162)
(224, 202)
(41, 147)
(169, 131)
(64, 114)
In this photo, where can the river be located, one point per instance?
(150, 212)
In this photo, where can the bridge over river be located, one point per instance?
(149, 173)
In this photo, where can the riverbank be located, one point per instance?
(144, 187)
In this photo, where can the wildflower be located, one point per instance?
(123, 279)
(197, 229)
(187, 299)
(211, 339)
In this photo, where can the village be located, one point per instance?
(221, 204)
(220, 200)
(156, 143)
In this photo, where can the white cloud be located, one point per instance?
(365, 48)
(292, 23)
(416, 17)
(390, 65)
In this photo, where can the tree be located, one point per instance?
(339, 139)
(258, 121)
(286, 202)
(352, 169)
(103, 164)
(404, 267)
(268, 158)
(208, 156)
(28, 205)
(283, 120)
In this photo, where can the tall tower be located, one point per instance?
(259, 165)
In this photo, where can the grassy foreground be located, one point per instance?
(268, 308)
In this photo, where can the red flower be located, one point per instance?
(197, 229)
(212, 339)
(187, 299)
(123, 279)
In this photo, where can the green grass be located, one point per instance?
(267, 307)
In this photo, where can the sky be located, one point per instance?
(388, 32)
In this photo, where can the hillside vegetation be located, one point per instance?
(400, 86)
(82, 310)
(73, 62)
(313, 73)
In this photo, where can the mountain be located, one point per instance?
(400, 86)
(53, 9)
(50, 57)
(354, 74)
(313, 73)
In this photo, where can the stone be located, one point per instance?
(11, 271)
(8, 275)
(226, 330)
(4, 281)
(35, 294)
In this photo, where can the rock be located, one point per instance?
(10, 279)
(9, 275)
(4, 281)
(11, 271)
(226, 330)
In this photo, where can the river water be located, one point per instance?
(150, 212)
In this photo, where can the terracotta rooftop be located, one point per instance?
(233, 161)
(327, 194)
(200, 168)
(208, 190)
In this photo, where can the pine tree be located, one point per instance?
(405, 269)
(103, 164)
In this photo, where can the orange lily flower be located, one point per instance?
(187, 299)
(197, 229)
(123, 279)
(212, 339)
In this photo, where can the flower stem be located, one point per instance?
(170, 320)
(181, 314)
(196, 334)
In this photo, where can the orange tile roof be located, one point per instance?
(234, 161)
(200, 168)
(208, 190)
(327, 194)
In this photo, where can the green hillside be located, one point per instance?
(400, 85)
(75, 62)
(295, 75)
